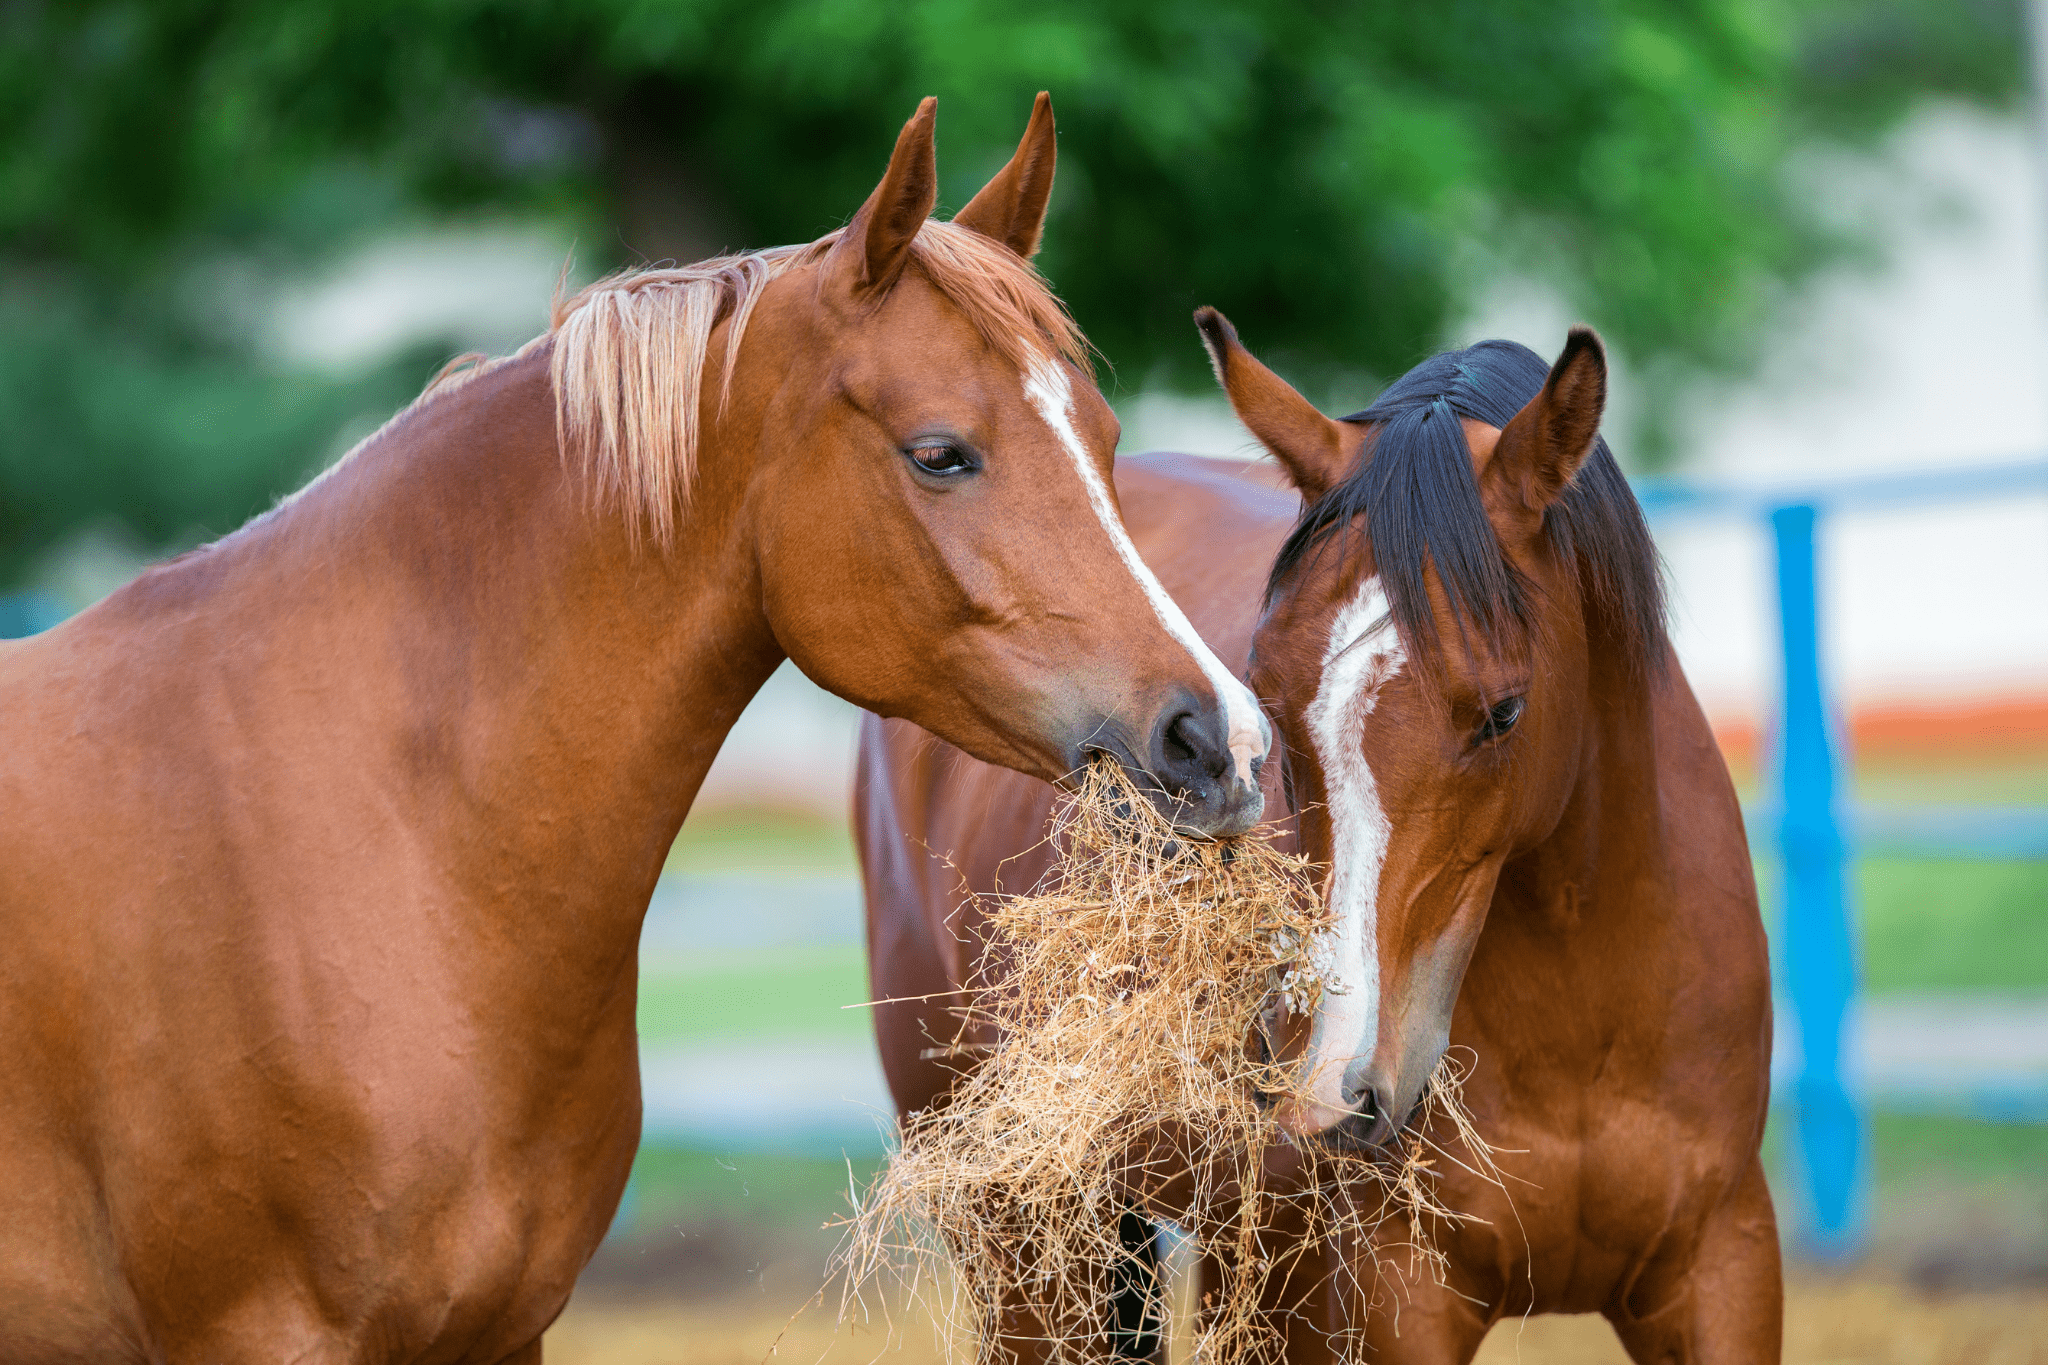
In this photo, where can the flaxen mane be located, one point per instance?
(629, 352)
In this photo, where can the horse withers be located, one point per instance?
(1528, 841)
(324, 849)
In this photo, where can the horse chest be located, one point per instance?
(380, 1203)
(1591, 1191)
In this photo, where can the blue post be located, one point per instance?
(1819, 956)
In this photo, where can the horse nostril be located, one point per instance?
(1189, 764)
(1372, 1121)
(1191, 744)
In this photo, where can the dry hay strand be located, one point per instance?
(1133, 996)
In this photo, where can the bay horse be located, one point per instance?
(1527, 838)
(324, 849)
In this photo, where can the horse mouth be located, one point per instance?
(1209, 809)
(1364, 1133)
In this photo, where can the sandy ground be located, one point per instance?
(1855, 1322)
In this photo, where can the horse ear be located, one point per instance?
(873, 247)
(1543, 445)
(1315, 451)
(1011, 207)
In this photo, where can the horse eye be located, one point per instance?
(940, 458)
(1502, 717)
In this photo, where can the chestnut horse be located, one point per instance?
(1530, 847)
(325, 848)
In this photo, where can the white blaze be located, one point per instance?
(1246, 732)
(1364, 653)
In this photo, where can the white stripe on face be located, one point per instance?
(1363, 655)
(1247, 733)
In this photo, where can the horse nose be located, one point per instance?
(1371, 1121)
(1377, 1112)
(1191, 760)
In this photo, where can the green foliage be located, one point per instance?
(1909, 1147)
(176, 437)
(757, 1192)
(1337, 178)
(1863, 64)
(725, 839)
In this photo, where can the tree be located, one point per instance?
(1336, 177)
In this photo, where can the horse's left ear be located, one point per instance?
(1542, 447)
(1011, 207)
(873, 247)
(1315, 451)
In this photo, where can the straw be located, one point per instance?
(1133, 996)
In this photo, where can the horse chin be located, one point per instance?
(1218, 811)
(1364, 1133)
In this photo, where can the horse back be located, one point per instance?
(937, 829)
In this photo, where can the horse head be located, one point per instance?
(939, 537)
(914, 474)
(1424, 645)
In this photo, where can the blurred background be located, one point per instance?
(234, 238)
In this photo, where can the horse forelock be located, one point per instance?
(1002, 295)
(1421, 509)
(629, 352)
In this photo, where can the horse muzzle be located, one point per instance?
(1375, 1110)
(1367, 1100)
(1197, 771)
(1206, 774)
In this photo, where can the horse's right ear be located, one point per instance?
(1315, 451)
(1011, 207)
(1543, 445)
(873, 247)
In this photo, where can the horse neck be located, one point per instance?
(539, 696)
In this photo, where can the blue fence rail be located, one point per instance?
(1813, 832)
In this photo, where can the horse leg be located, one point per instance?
(1728, 1305)
(1412, 1322)
(1123, 1322)
(1137, 1306)
(529, 1354)
(1302, 1290)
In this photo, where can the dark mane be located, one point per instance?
(1421, 506)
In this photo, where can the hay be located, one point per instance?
(1132, 995)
